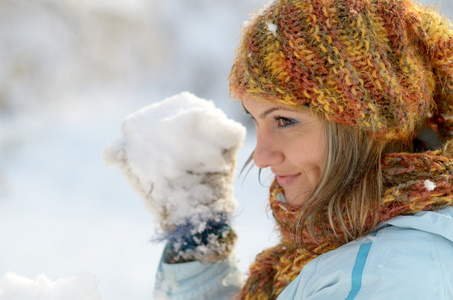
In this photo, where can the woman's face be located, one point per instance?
(292, 143)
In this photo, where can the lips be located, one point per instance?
(286, 180)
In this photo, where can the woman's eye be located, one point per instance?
(283, 122)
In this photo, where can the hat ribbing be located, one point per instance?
(385, 66)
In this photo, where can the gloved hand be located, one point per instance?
(179, 155)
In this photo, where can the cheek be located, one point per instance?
(311, 157)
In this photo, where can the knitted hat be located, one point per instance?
(385, 66)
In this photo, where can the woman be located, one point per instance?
(353, 106)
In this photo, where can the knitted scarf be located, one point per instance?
(413, 182)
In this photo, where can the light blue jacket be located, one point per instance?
(407, 257)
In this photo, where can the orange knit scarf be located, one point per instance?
(415, 182)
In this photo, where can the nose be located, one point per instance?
(267, 152)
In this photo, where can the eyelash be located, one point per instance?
(279, 121)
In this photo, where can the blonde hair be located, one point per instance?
(345, 204)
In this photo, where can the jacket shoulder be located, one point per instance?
(401, 260)
(408, 262)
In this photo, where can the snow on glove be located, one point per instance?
(179, 155)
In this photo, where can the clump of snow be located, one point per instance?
(179, 155)
(272, 28)
(266, 7)
(429, 185)
(18, 287)
(260, 12)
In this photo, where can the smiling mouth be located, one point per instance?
(286, 180)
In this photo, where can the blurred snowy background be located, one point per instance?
(70, 228)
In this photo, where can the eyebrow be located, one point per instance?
(267, 112)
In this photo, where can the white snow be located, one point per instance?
(18, 287)
(258, 13)
(266, 7)
(272, 28)
(429, 185)
(168, 152)
(368, 238)
(184, 132)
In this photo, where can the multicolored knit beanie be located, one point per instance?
(385, 66)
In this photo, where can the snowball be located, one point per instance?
(18, 287)
(429, 185)
(184, 132)
(168, 151)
